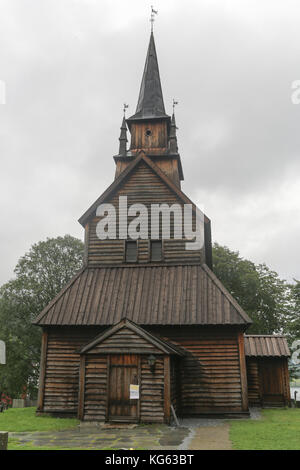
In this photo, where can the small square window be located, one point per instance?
(131, 251)
(156, 250)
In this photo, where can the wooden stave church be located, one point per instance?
(165, 323)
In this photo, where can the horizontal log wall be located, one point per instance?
(143, 187)
(210, 373)
(95, 391)
(62, 368)
(152, 391)
(209, 378)
(124, 341)
(254, 394)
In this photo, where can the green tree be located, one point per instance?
(40, 275)
(260, 292)
(294, 325)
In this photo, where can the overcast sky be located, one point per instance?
(69, 65)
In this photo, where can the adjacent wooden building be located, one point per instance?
(146, 325)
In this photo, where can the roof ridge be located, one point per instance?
(266, 336)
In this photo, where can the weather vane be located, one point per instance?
(125, 107)
(152, 19)
(174, 104)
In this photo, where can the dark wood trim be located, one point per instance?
(167, 390)
(287, 394)
(243, 371)
(81, 387)
(40, 401)
(260, 380)
(107, 387)
(86, 244)
(140, 389)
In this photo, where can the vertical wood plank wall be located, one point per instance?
(261, 388)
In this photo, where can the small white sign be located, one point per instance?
(2, 352)
(134, 392)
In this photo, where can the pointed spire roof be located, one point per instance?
(150, 103)
(123, 138)
(173, 146)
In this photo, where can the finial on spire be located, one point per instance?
(173, 147)
(152, 19)
(174, 104)
(124, 108)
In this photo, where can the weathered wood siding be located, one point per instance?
(143, 187)
(156, 142)
(210, 374)
(254, 393)
(209, 382)
(124, 341)
(268, 381)
(175, 383)
(95, 388)
(152, 391)
(62, 368)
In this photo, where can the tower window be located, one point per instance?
(131, 251)
(148, 132)
(156, 250)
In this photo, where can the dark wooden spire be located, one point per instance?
(150, 103)
(173, 147)
(123, 138)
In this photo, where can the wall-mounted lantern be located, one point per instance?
(151, 362)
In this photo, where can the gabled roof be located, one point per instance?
(124, 176)
(161, 345)
(150, 103)
(266, 346)
(187, 294)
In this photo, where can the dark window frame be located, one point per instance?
(127, 243)
(152, 242)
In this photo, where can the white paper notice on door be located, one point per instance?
(134, 392)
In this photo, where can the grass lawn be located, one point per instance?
(279, 429)
(24, 419)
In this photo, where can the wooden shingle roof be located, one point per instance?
(266, 346)
(146, 295)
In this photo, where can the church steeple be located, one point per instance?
(173, 147)
(151, 129)
(123, 138)
(150, 102)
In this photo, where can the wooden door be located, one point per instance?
(123, 371)
(271, 382)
